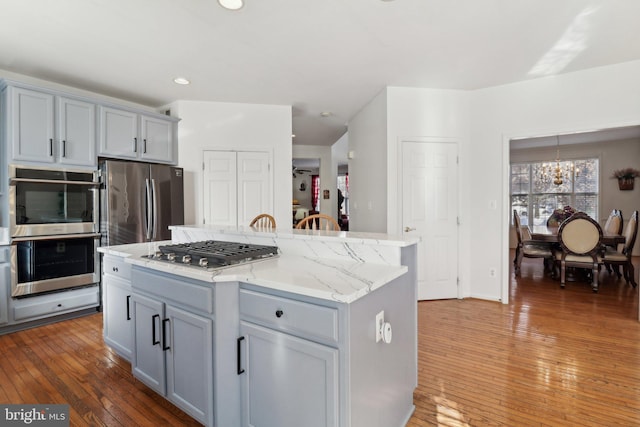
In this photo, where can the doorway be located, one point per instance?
(305, 180)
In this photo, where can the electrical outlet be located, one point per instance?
(379, 323)
(492, 272)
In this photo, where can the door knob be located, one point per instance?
(408, 229)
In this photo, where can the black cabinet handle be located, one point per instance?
(135, 145)
(128, 307)
(144, 146)
(279, 313)
(64, 148)
(50, 147)
(165, 347)
(240, 370)
(153, 329)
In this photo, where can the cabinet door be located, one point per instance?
(148, 358)
(157, 139)
(118, 133)
(116, 295)
(32, 125)
(76, 132)
(288, 381)
(189, 356)
(4, 291)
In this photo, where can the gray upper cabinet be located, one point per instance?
(31, 125)
(76, 132)
(46, 128)
(128, 135)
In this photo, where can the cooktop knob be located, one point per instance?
(203, 262)
(171, 256)
(186, 259)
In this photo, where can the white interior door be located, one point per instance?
(237, 187)
(254, 186)
(220, 188)
(430, 211)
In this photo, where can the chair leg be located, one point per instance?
(594, 285)
(518, 262)
(631, 274)
(562, 273)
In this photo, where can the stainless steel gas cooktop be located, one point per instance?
(213, 253)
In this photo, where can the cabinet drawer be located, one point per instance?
(116, 267)
(301, 318)
(58, 303)
(174, 288)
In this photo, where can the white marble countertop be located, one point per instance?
(337, 280)
(378, 239)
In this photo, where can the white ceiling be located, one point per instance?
(316, 55)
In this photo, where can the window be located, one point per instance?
(534, 195)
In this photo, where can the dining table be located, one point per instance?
(549, 234)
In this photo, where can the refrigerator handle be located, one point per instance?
(154, 192)
(149, 208)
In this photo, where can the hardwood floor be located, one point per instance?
(551, 357)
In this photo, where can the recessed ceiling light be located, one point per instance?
(326, 113)
(181, 81)
(231, 4)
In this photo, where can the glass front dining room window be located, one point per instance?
(535, 196)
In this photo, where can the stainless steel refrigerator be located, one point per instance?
(139, 201)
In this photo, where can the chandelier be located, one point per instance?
(556, 174)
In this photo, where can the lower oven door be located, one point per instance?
(51, 263)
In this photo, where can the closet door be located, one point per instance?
(254, 186)
(220, 188)
(237, 186)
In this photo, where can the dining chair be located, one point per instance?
(621, 256)
(527, 248)
(614, 223)
(263, 221)
(318, 222)
(580, 239)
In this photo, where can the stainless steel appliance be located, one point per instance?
(139, 201)
(51, 263)
(47, 202)
(212, 254)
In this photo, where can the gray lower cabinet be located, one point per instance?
(116, 302)
(5, 279)
(288, 381)
(289, 365)
(173, 354)
(173, 347)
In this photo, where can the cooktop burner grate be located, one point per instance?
(213, 253)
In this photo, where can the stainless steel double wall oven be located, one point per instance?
(54, 227)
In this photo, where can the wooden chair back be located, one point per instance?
(263, 221)
(318, 222)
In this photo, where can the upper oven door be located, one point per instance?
(46, 202)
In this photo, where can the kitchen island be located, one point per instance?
(290, 340)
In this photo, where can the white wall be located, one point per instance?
(368, 167)
(233, 126)
(598, 98)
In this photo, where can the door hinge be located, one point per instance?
(458, 220)
(457, 160)
(458, 281)
(202, 165)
